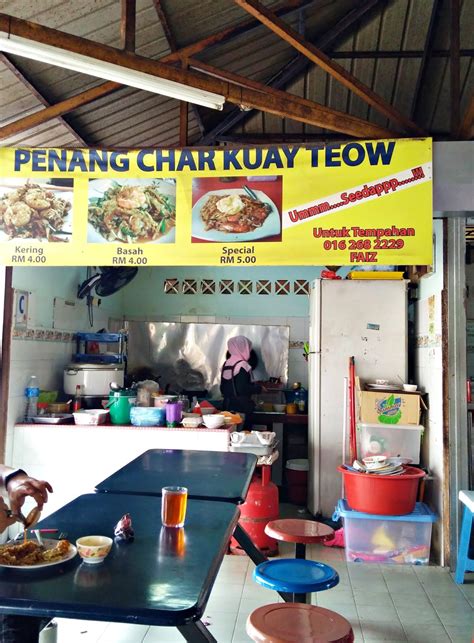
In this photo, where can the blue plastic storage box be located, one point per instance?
(402, 540)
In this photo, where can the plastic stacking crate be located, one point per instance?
(372, 538)
(392, 440)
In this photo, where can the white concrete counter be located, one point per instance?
(75, 458)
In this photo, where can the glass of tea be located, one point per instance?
(173, 506)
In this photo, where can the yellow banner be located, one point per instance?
(362, 202)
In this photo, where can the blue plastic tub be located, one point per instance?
(148, 416)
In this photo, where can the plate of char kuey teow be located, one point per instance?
(232, 215)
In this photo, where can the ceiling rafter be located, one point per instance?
(165, 25)
(57, 111)
(427, 53)
(128, 24)
(319, 58)
(404, 53)
(454, 66)
(466, 128)
(183, 106)
(236, 30)
(7, 61)
(286, 105)
(299, 64)
(106, 88)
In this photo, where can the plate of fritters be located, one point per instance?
(32, 555)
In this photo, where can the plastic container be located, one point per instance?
(386, 495)
(31, 399)
(119, 405)
(297, 479)
(401, 440)
(147, 416)
(371, 538)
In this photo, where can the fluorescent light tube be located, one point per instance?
(108, 71)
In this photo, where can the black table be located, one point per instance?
(162, 578)
(208, 475)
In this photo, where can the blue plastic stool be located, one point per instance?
(296, 576)
(465, 564)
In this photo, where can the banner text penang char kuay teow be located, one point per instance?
(355, 202)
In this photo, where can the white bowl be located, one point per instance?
(213, 421)
(191, 422)
(93, 549)
(410, 388)
(279, 408)
(91, 417)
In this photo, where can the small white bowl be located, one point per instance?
(213, 421)
(191, 422)
(410, 388)
(93, 549)
(279, 408)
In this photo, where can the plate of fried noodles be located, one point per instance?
(132, 211)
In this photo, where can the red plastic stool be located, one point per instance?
(289, 622)
(299, 531)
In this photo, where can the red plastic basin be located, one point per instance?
(384, 495)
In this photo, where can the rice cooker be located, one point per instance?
(94, 379)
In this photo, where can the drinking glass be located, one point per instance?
(173, 506)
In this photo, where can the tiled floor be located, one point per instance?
(383, 603)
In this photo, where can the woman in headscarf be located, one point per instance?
(237, 385)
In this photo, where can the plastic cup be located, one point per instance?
(173, 506)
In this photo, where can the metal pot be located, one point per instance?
(95, 379)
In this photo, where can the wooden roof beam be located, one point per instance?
(299, 64)
(316, 56)
(231, 32)
(6, 60)
(278, 95)
(57, 110)
(127, 24)
(183, 53)
(285, 106)
(454, 66)
(466, 129)
(183, 106)
(427, 53)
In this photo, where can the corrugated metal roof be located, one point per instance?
(132, 118)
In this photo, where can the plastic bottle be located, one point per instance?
(31, 399)
(77, 402)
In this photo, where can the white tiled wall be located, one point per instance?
(44, 359)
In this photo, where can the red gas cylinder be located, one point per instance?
(259, 508)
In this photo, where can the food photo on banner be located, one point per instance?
(32, 209)
(237, 209)
(366, 203)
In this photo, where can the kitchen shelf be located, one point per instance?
(100, 358)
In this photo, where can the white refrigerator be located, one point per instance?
(366, 319)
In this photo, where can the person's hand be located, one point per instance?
(6, 519)
(21, 486)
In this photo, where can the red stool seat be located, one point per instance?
(289, 622)
(297, 530)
